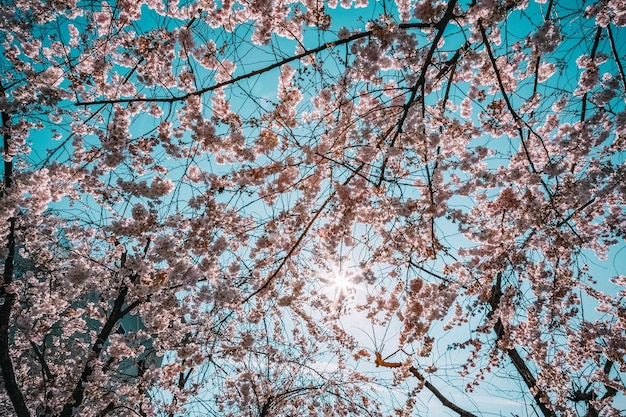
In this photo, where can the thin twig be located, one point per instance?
(616, 56)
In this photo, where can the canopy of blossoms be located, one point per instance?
(279, 208)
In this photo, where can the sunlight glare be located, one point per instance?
(341, 282)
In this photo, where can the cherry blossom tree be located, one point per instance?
(268, 208)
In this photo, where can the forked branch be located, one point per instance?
(117, 312)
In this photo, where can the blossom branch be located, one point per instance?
(538, 61)
(588, 397)
(117, 313)
(302, 235)
(536, 82)
(320, 48)
(509, 106)
(40, 354)
(78, 394)
(440, 26)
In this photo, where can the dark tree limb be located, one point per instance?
(594, 50)
(518, 362)
(234, 80)
(117, 312)
(266, 407)
(40, 354)
(430, 387)
(78, 395)
(442, 398)
(440, 26)
(516, 117)
(616, 56)
(587, 396)
(538, 61)
(8, 298)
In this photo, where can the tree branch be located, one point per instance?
(301, 237)
(323, 47)
(79, 391)
(616, 55)
(589, 396)
(594, 49)
(42, 360)
(538, 61)
(117, 313)
(440, 26)
(8, 371)
(509, 106)
(516, 358)
(442, 398)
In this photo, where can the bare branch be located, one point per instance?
(440, 396)
(616, 55)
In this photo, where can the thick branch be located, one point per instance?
(8, 297)
(79, 391)
(589, 396)
(430, 387)
(117, 312)
(518, 362)
(594, 49)
(42, 360)
(441, 27)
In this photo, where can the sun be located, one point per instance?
(340, 282)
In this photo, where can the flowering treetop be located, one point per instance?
(202, 168)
